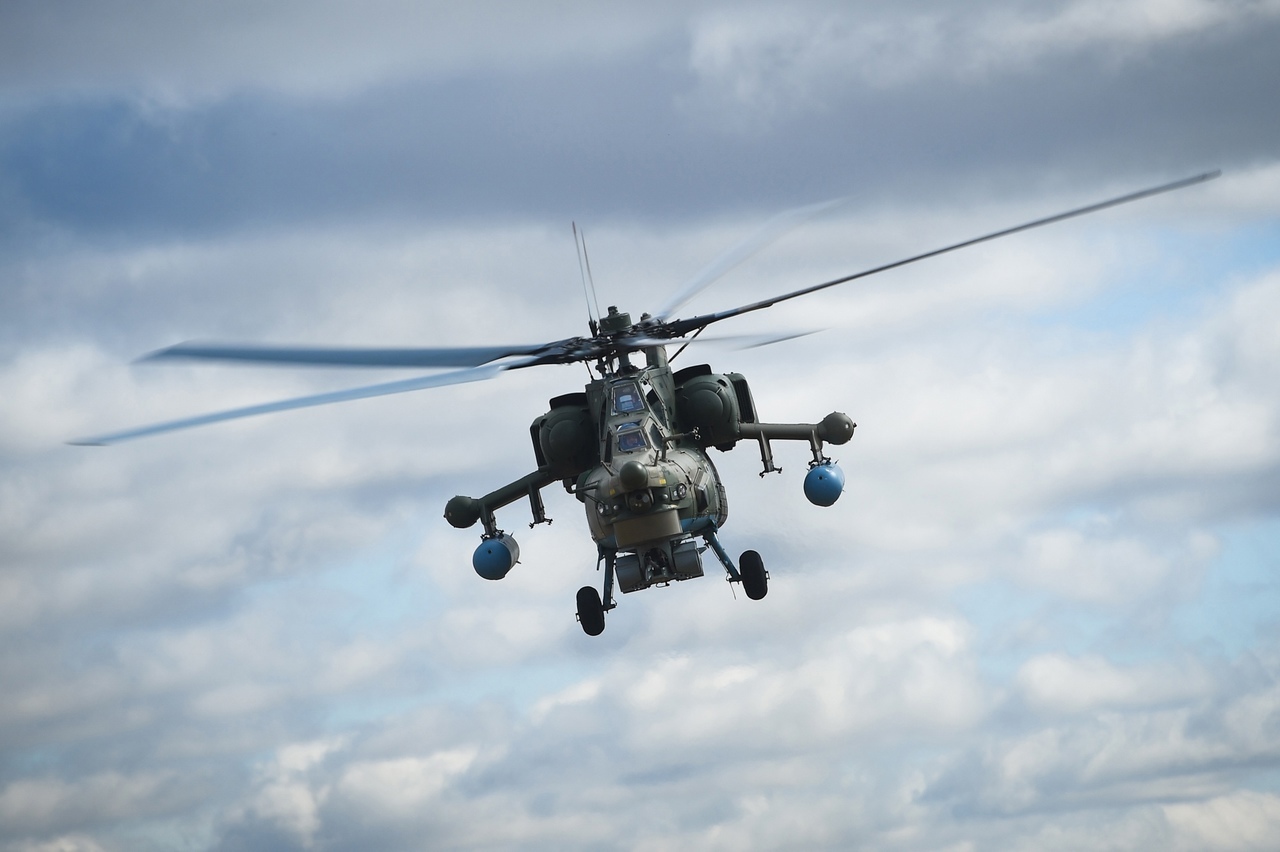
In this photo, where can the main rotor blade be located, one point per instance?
(685, 326)
(767, 233)
(471, 356)
(739, 341)
(474, 374)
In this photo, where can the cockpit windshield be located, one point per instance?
(627, 398)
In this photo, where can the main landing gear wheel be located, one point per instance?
(755, 580)
(591, 611)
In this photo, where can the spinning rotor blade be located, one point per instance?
(474, 374)
(767, 233)
(472, 356)
(477, 363)
(740, 341)
(681, 327)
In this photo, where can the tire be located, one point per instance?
(590, 611)
(755, 580)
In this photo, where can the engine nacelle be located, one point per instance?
(713, 404)
(564, 439)
(824, 484)
(495, 557)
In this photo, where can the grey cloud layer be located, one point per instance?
(656, 133)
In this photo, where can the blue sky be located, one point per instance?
(1042, 615)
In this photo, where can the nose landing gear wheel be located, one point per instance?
(755, 580)
(591, 611)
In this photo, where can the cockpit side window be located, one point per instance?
(655, 405)
(655, 435)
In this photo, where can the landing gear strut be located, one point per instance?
(752, 576)
(591, 604)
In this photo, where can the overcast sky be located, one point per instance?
(1042, 616)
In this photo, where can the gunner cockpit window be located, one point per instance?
(631, 438)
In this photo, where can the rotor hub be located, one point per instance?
(615, 322)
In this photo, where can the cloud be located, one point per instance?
(67, 843)
(38, 806)
(688, 121)
(1030, 622)
(1054, 683)
(284, 798)
(1101, 570)
(787, 60)
(1135, 23)
(178, 56)
(398, 788)
(1243, 820)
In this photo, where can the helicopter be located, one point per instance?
(633, 446)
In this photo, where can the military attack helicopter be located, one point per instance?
(633, 446)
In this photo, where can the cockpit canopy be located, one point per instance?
(633, 425)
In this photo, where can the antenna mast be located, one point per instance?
(584, 269)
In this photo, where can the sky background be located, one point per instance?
(1042, 616)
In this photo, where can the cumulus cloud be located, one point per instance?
(1056, 683)
(1243, 820)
